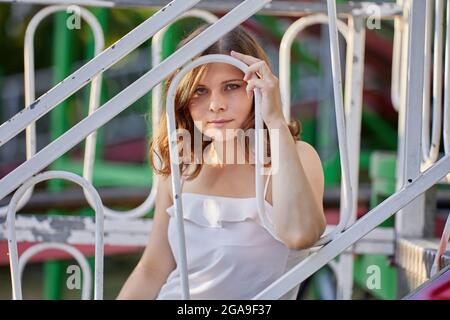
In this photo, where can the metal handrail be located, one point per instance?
(397, 57)
(446, 120)
(353, 107)
(174, 157)
(73, 251)
(359, 229)
(29, 76)
(285, 74)
(121, 101)
(347, 187)
(376, 216)
(98, 64)
(416, 185)
(285, 53)
(11, 228)
(24, 173)
(157, 40)
(431, 153)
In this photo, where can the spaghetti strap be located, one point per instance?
(267, 182)
(181, 183)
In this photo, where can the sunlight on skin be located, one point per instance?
(220, 94)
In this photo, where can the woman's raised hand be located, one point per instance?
(259, 75)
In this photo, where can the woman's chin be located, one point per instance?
(220, 134)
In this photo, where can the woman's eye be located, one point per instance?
(200, 91)
(232, 86)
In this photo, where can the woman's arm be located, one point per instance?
(297, 188)
(157, 261)
(298, 178)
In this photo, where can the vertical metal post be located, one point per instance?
(326, 135)
(412, 225)
(446, 124)
(353, 110)
(95, 95)
(410, 221)
(102, 16)
(402, 92)
(62, 60)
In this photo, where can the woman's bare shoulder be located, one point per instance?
(165, 187)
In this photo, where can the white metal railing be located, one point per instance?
(99, 64)
(11, 229)
(157, 42)
(122, 100)
(353, 104)
(355, 39)
(371, 220)
(285, 88)
(285, 53)
(337, 85)
(29, 76)
(175, 157)
(399, 76)
(157, 39)
(134, 233)
(399, 54)
(431, 152)
(74, 252)
(347, 191)
(416, 184)
(439, 122)
(30, 137)
(24, 173)
(348, 210)
(446, 120)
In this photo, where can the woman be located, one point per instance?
(231, 253)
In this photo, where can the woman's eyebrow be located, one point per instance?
(232, 80)
(226, 81)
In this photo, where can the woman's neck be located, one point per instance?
(220, 153)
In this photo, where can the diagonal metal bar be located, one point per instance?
(100, 63)
(362, 227)
(129, 95)
(412, 189)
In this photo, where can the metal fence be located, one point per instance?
(413, 180)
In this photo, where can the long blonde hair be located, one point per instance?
(238, 40)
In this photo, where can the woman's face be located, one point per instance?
(220, 95)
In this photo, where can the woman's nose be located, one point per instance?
(217, 103)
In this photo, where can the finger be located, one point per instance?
(245, 58)
(255, 83)
(252, 75)
(253, 70)
(260, 66)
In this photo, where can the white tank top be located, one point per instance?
(230, 254)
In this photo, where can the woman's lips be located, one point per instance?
(219, 123)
